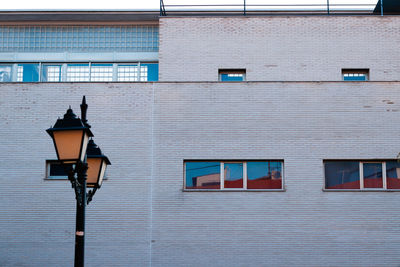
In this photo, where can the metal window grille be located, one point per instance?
(101, 73)
(52, 73)
(78, 73)
(128, 73)
(20, 73)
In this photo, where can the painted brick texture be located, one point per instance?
(279, 48)
(141, 216)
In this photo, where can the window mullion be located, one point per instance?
(244, 175)
(361, 176)
(384, 181)
(222, 175)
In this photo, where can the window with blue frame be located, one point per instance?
(28, 73)
(232, 75)
(79, 72)
(355, 74)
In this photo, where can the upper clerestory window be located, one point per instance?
(355, 74)
(232, 75)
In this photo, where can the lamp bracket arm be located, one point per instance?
(90, 195)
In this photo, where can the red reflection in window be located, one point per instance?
(348, 185)
(373, 175)
(264, 183)
(234, 184)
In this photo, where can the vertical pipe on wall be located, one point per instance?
(244, 7)
(381, 8)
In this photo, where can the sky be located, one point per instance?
(150, 4)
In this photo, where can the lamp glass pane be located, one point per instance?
(94, 165)
(68, 144)
(103, 170)
(84, 146)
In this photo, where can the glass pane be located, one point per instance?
(372, 175)
(342, 175)
(128, 73)
(101, 72)
(231, 77)
(5, 73)
(393, 174)
(202, 175)
(59, 171)
(78, 73)
(28, 72)
(51, 73)
(233, 173)
(151, 72)
(354, 77)
(264, 175)
(79, 38)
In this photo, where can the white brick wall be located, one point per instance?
(141, 217)
(279, 48)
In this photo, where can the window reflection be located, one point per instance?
(264, 175)
(342, 175)
(51, 73)
(233, 173)
(202, 175)
(372, 175)
(393, 174)
(28, 73)
(5, 73)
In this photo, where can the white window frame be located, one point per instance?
(384, 180)
(222, 176)
(48, 177)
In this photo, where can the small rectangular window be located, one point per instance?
(355, 74)
(232, 75)
(233, 175)
(54, 170)
(362, 175)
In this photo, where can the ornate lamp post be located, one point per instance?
(71, 140)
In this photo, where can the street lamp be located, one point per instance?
(71, 141)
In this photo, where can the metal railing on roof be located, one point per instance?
(245, 8)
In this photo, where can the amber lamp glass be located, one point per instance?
(70, 137)
(97, 164)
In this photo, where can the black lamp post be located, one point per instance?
(71, 140)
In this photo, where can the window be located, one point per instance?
(78, 72)
(101, 73)
(233, 175)
(28, 73)
(54, 170)
(232, 75)
(51, 73)
(118, 38)
(362, 175)
(355, 74)
(5, 73)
